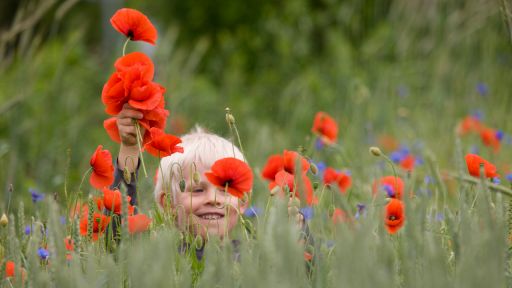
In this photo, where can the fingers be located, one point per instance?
(129, 113)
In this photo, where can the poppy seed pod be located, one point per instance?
(375, 151)
(182, 185)
(127, 176)
(196, 177)
(4, 221)
(313, 168)
(275, 190)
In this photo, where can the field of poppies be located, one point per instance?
(388, 126)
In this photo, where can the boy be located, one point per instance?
(202, 208)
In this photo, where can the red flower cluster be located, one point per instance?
(138, 223)
(490, 137)
(473, 162)
(394, 187)
(394, 216)
(132, 83)
(325, 127)
(338, 216)
(343, 180)
(233, 173)
(102, 169)
(99, 225)
(280, 170)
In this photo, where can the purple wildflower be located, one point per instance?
(43, 253)
(307, 212)
(36, 195)
(482, 89)
(252, 211)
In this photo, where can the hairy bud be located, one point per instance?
(375, 151)
(4, 221)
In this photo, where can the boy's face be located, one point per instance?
(204, 208)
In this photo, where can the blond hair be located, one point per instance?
(200, 147)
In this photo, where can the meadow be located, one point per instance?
(401, 77)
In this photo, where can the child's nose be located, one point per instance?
(213, 197)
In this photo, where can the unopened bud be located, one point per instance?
(315, 185)
(375, 151)
(293, 211)
(4, 221)
(275, 190)
(313, 168)
(295, 202)
(230, 119)
(182, 185)
(196, 177)
(127, 176)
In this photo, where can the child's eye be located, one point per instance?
(197, 190)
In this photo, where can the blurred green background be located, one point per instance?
(406, 68)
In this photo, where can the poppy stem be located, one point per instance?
(139, 140)
(125, 44)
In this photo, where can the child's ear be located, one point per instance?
(165, 200)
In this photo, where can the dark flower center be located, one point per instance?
(130, 34)
(392, 217)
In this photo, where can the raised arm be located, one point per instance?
(129, 151)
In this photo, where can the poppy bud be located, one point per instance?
(293, 211)
(315, 185)
(313, 168)
(4, 221)
(127, 176)
(196, 177)
(182, 185)
(230, 119)
(295, 202)
(375, 151)
(275, 190)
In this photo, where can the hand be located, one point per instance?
(126, 125)
(294, 213)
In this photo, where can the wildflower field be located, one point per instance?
(388, 125)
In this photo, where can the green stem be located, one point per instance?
(125, 44)
(139, 143)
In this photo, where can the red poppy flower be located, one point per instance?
(308, 256)
(490, 139)
(99, 225)
(10, 268)
(473, 162)
(102, 169)
(395, 215)
(468, 125)
(234, 173)
(161, 144)
(394, 187)
(138, 223)
(302, 189)
(343, 180)
(338, 216)
(275, 163)
(290, 159)
(134, 25)
(326, 127)
(132, 79)
(407, 163)
(69, 243)
(388, 142)
(110, 126)
(112, 200)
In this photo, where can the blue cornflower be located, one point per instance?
(307, 212)
(319, 144)
(330, 244)
(252, 211)
(389, 190)
(427, 180)
(419, 160)
(474, 149)
(482, 88)
(43, 253)
(478, 114)
(36, 195)
(509, 177)
(361, 210)
(402, 91)
(321, 167)
(28, 230)
(439, 216)
(496, 180)
(500, 135)
(63, 220)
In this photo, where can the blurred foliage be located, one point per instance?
(404, 68)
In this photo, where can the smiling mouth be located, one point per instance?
(211, 216)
